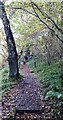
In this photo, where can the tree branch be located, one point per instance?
(37, 16)
(4, 46)
(46, 24)
(47, 16)
(2, 55)
(24, 10)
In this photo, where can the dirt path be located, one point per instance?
(24, 96)
(29, 97)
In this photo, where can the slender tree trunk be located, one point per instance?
(12, 53)
(48, 53)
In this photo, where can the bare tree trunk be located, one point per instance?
(48, 53)
(12, 53)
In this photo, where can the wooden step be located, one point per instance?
(28, 115)
(29, 111)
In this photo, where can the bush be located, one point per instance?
(49, 76)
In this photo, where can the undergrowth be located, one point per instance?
(6, 82)
(49, 76)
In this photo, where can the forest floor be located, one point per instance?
(24, 97)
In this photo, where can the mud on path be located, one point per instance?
(25, 96)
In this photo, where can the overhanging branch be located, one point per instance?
(24, 10)
(47, 16)
(37, 16)
(46, 24)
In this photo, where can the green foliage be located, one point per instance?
(6, 82)
(50, 78)
(53, 94)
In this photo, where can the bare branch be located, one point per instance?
(24, 10)
(4, 46)
(2, 55)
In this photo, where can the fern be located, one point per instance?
(53, 94)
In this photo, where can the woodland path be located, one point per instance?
(25, 96)
(29, 97)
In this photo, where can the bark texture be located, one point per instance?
(12, 53)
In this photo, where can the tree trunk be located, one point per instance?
(48, 53)
(12, 53)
